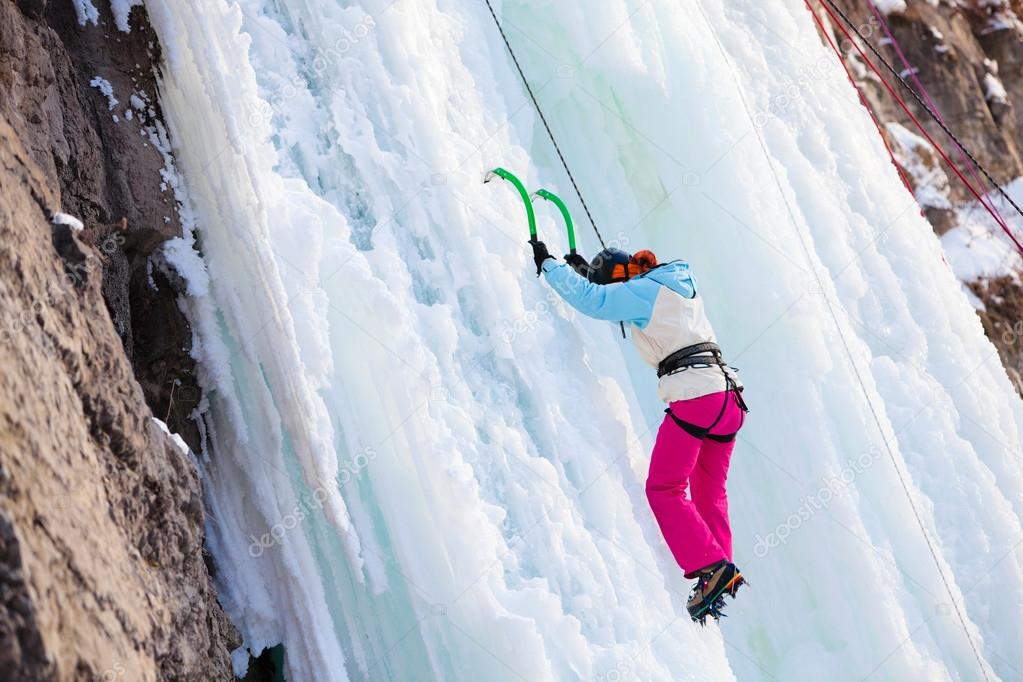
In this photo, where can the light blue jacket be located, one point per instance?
(630, 301)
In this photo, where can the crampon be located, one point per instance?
(708, 596)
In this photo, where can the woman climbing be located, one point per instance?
(704, 396)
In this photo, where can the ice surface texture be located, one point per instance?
(421, 466)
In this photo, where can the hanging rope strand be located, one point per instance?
(877, 418)
(841, 334)
(536, 105)
(920, 126)
(988, 203)
(863, 100)
(833, 9)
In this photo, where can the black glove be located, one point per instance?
(540, 254)
(578, 264)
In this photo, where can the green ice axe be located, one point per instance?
(505, 175)
(556, 200)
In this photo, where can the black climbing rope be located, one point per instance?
(543, 118)
(845, 344)
(920, 101)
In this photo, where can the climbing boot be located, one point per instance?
(712, 584)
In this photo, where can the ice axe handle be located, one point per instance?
(510, 177)
(556, 200)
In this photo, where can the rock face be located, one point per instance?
(968, 55)
(105, 172)
(102, 571)
(101, 517)
(950, 47)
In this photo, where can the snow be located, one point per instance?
(177, 440)
(122, 12)
(86, 12)
(994, 91)
(973, 299)
(975, 252)
(1000, 18)
(149, 275)
(69, 220)
(372, 339)
(890, 6)
(921, 162)
(979, 248)
(105, 89)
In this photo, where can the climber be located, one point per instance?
(705, 405)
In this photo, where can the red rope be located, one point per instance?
(930, 101)
(916, 121)
(863, 100)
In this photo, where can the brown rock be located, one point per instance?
(101, 520)
(101, 528)
(944, 47)
(106, 173)
(954, 47)
(1003, 321)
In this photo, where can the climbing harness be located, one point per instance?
(706, 354)
(543, 119)
(698, 355)
(845, 344)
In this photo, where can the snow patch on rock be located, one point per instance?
(994, 90)
(918, 158)
(86, 12)
(122, 12)
(105, 89)
(178, 441)
(69, 220)
(979, 248)
(887, 7)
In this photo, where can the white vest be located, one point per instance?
(677, 322)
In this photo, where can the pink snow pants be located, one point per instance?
(696, 527)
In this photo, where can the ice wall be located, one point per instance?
(419, 465)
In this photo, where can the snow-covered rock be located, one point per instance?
(67, 219)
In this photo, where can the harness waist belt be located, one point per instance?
(709, 355)
(706, 354)
(701, 432)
